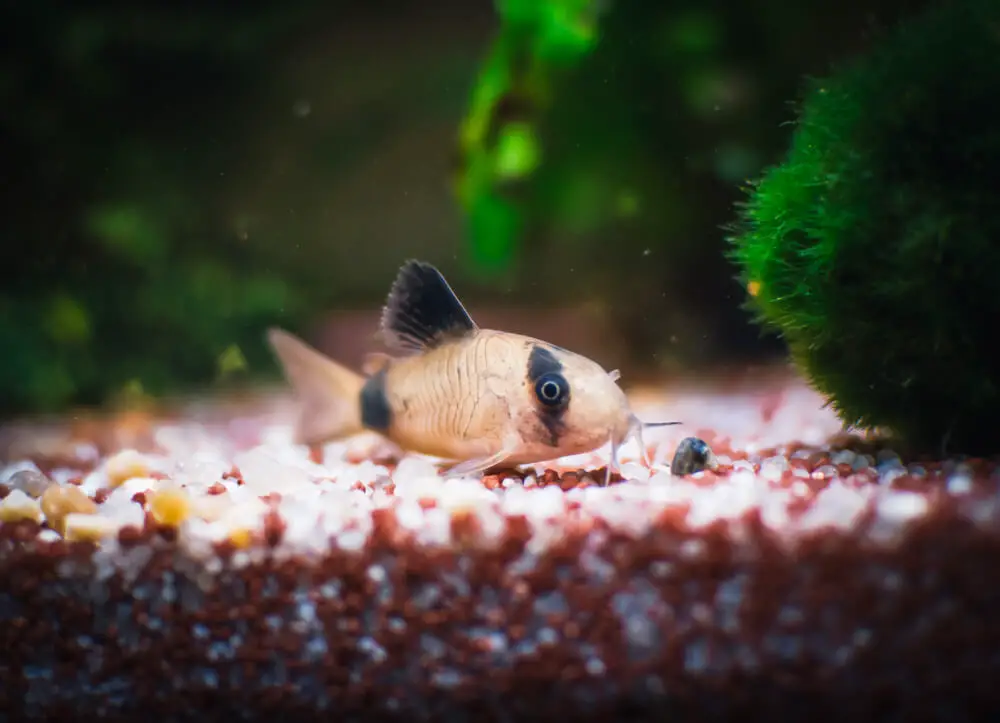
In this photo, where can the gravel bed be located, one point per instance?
(216, 571)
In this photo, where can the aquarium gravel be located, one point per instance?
(217, 571)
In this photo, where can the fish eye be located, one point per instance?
(552, 389)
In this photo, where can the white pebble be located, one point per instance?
(895, 510)
(413, 468)
(18, 505)
(263, 473)
(634, 471)
(844, 456)
(124, 465)
(825, 472)
(891, 475)
(94, 481)
(902, 506)
(887, 456)
(862, 462)
(773, 468)
(837, 506)
(959, 484)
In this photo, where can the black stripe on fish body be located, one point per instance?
(376, 414)
(422, 311)
(551, 390)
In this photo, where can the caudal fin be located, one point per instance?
(328, 392)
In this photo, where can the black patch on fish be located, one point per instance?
(544, 370)
(422, 311)
(541, 361)
(375, 411)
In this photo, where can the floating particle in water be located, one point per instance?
(692, 455)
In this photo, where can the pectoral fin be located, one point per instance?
(613, 466)
(478, 465)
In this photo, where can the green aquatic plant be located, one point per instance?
(874, 247)
(604, 141)
(498, 138)
(118, 271)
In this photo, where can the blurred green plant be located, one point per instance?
(601, 148)
(874, 246)
(117, 268)
(605, 140)
(537, 40)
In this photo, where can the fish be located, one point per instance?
(478, 398)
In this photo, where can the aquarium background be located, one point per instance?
(181, 175)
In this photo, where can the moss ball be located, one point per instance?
(874, 247)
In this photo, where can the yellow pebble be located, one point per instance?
(88, 528)
(126, 465)
(240, 538)
(18, 506)
(170, 506)
(61, 500)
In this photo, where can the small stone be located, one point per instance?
(635, 472)
(211, 507)
(170, 506)
(888, 456)
(241, 538)
(959, 484)
(32, 482)
(79, 527)
(844, 456)
(863, 462)
(692, 455)
(125, 465)
(59, 501)
(18, 506)
(890, 475)
(773, 468)
(825, 471)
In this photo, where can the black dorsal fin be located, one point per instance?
(422, 311)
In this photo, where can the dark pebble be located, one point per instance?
(692, 455)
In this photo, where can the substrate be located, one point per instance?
(225, 573)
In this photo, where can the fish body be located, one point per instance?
(480, 397)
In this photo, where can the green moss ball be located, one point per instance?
(874, 248)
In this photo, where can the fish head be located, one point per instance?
(574, 405)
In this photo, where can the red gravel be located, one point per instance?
(796, 581)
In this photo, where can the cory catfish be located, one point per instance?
(479, 397)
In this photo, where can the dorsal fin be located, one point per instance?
(422, 311)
